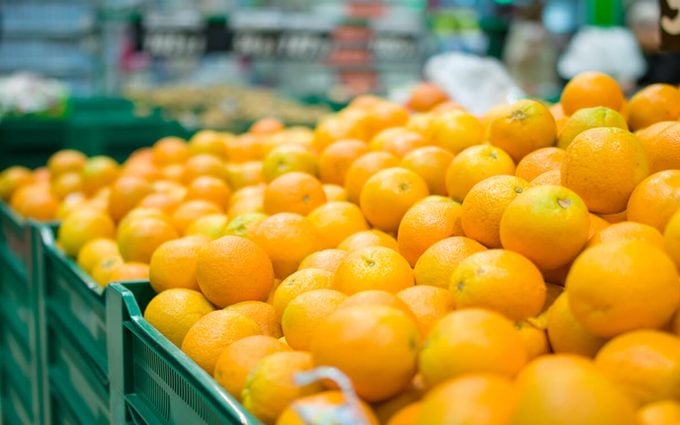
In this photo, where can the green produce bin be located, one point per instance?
(73, 334)
(153, 381)
(29, 141)
(21, 389)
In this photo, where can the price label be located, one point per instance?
(172, 44)
(396, 47)
(670, 24)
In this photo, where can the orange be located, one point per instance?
(139, 237)
(175, 311)
(98, 172)
(588, 118)
(379, 368)
(655, 199)
(661, 142)
(243, 148)
(388, 194)
(337, 127)
(164, 202)
(585, 394)
(499, 280)
(319, 406)
(552, 177)
(211, 226)
(240, 357)
(428, 304)
(614, 218)
(12, 178)
(303, 314)
(665, 412)
(430, 163)
(266, 125)
(261, 313)
(456, 130)
(104, 267)
(207, 142)
(476, 399)
(597, 224)
(212, 333)
(642, 291)
(566, 334)
(209, 188)
(334, 192)
(377, 297)
(173, 264)
(129, 271)
(233, 269)
(373, 267)
(449, 105)
(287, 238)
(628, 230)
(603, 166)
(325, 259)
(81, 226)
(422, 123)
(294, 192)
(204, 165)
(534, 337)
(285, 158)
(335, 221)
(170, 150)
(398, 141)
(385, 114)
(671, 237)
(547, 224)
(126, 193)
(437, 263)
(70, 203)
(589, 89)
(522, 127)
(36, 201)
(372, 237)
(426, 223)
(471, 341)
(388, 409)
(364, 167)
(189, 211)
(425, 96)
(485, 204)
(67, 183)
(473, 165)
(244, 225)
(64, 161)
(406, 415)
(251, 201)
(94, 251)
(244, 174)
(298, 283)
(540, 161)
(645, 364)
(336, 159)
(654, 103)
(271, 386)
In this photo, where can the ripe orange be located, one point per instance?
(271, 385)
(249, 199)
(103, 268)
(654, 103)
(373, 267)
(36, 201)
(597, 224)
(645, 364)
(266, 125)
(325, 259)
(332, 128)
(64, 161)
(628, 230)
(397, 140)
(81, 226)
(425, 223)
(139, 237)
(209, 188)
(239, 358)
(406, 415)
(94, 251)
(425, 96)
(294, 192)
(476, 399)
(173, 264)
(661, 144)
(211, 226)
(317, 406)
(430, 163)
(126, 193)
(377, 297)
(67, 183)
(585, 397)
(473, 165)
(665, 412)
(552, 177)
(522, 127)
(11, 178)
(240, 175)
(671, 237)
(212, 333)
(485, 204)
(129, 271)
(335, 221)
(170, 150)
(589, 89)
(378, 367)
(540, 161)
(364, 167)
(175, 311)
(388, 194)
(566, 334)
(336, 159)
(587, 118)
(298, 283)
(603, 166)
(655, 199)
(437, 263)
(547, 224)
(471, 341)
(204, 165)
(428, 304)
(261, 313)
(456, 130)
(534, 337)
(207, 142)
(189, 211)
(640, 292)
(287, 239)
(233, 269)
(286, 158)
(384, 114)
(372, 237)
(334, 192)
(164, 202)
(98, 172)
(303, 314)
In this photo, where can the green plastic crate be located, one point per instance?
(153, 381)
(74, 336)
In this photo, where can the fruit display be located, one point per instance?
(517, 268)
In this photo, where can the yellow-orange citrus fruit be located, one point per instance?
(336, 159)
(335, 221)
(628, 230)
(316, 408)
(303, 314)
(139, 237)
(655, 199)
(81, 226)
(588, 118)
(325, 259)
(589, 89)
(372, 237)
(456, 130)
(428, 304)
(430, 163)
(298, 283)
(671, 238)
(295, 192)
(540, 161)
(473, 165)
(94, 251)
(364, 167)
(175, 311)
(665, 412)
(566, 334)
(654, 103)
(261, 313)
(287, 158)
(439, 261)
(373, 267)
(661, 142)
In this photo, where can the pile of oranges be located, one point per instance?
(519, 268)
